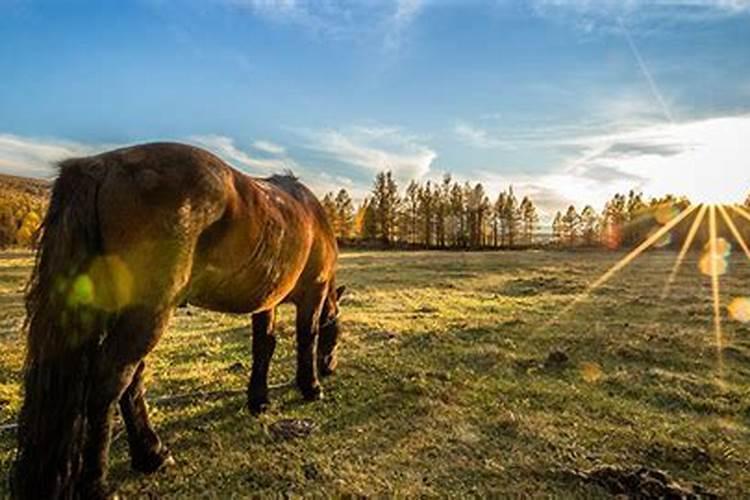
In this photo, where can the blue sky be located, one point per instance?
(569, 100)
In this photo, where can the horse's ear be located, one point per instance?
(340, 291)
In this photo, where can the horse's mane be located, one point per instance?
(289, 183)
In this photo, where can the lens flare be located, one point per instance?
(715, 262)
(739, 309)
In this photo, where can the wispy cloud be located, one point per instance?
(592, 15)
(405, 13)
(36, 157)
(269, 147)
(227, 149)
(338, 18)
(480, 138)
(374, 149)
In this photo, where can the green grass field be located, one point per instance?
(450, 381)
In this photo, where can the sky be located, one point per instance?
(569, 101)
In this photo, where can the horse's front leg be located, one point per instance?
(308, 314)
(264, 343)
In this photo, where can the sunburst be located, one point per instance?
(713, 263)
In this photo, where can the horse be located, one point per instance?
(129, 235)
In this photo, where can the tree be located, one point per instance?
(498, 221)
(441, 201)
(512, 217)
(457, 214)
(426, 213)
(529, 220)
(329, 205)
(411, 212)
(558, 229)
(369, 225)
(385, 203)
(344, 215)
(614, 219)
(589, 225)
(477, 208)
(571, 222)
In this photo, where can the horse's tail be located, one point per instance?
(63, 334)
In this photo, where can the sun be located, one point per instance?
(707, 160)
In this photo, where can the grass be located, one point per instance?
(445, 383)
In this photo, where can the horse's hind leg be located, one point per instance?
(264, 343)
(308, 314)
(147, 453)
(133, 335)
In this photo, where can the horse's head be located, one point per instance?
(329, 332)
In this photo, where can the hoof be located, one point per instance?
(258, 406)
(325, 370)
(98, 490)
(313, 393)
(327, 365)
(153, 462)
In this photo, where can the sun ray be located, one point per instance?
(714, 256)
(685, 249)
(733, 228)
(741, 211)
(625, 261)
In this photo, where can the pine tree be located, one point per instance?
(369, 221)
(512, 217)
(385, 203)
(589, 225)
(571, 223)
(529, 219)
(614, 219)
(441, 200)
(393, 208)
(498, 221)
(411, 212)
(457, 214)
(329, 206)
(344, 215)
(426, 212)
(558, 229)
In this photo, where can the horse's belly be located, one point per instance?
(259, 287)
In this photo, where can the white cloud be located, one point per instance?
(226, 148)
(36, 157)
(269, 147)
(375, 149)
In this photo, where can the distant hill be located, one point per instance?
(24, 186)
(23, 202)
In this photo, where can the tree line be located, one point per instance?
(453, 215)
(445, 214)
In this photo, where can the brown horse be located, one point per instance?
(129, 235)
